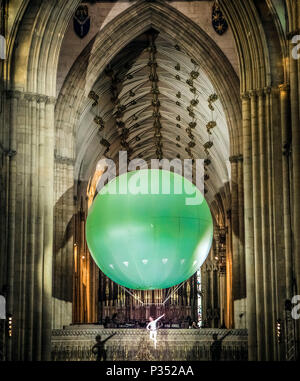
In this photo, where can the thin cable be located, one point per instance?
(167, 298)
(173, 292)
(168, 293)
(135, 297)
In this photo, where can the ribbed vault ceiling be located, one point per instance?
(154, 102)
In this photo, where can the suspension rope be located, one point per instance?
(130, 293)
(174, 291)
(169, 294)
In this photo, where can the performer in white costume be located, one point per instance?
(152, 328)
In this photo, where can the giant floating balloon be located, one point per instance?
(145, 236)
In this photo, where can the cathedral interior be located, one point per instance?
(82, 81)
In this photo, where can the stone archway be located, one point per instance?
(80, 81)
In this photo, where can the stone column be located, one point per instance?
(229, 268)
(264, 195)
(249, 233)
(222, 295)
(265, 184)
(30, 224)
(286, 141)
(235, 229)
(241, 228)
(48, 181)
(257, 211)
(13, 99)
(295, 113)
(204, 271)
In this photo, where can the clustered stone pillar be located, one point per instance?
(216, 279)
(286, 166)
(241, 229)
(235, 228)
(63, 239)
(211, 295)
(267, 231)
(295, 149)
(249, 239)
(30, 224)
(237, 234)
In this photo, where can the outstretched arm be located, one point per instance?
(226, 334)
(159, 318)
(109, 337)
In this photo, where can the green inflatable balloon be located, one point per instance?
(149, 229)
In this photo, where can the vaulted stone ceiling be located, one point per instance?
(154, 102)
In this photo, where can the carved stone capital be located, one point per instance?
(8, 152)
(253, 93)
(245, 96)
(42, 98)
(257, 92)
(51, 100)
(268, 90)
(233, 159)
(30, 97)
(285, 87)
(260, 92)
(63, 160)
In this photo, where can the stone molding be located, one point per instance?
(236, 158)
(257, 92)
(30, 97)
(134, 332)
(63, 160)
